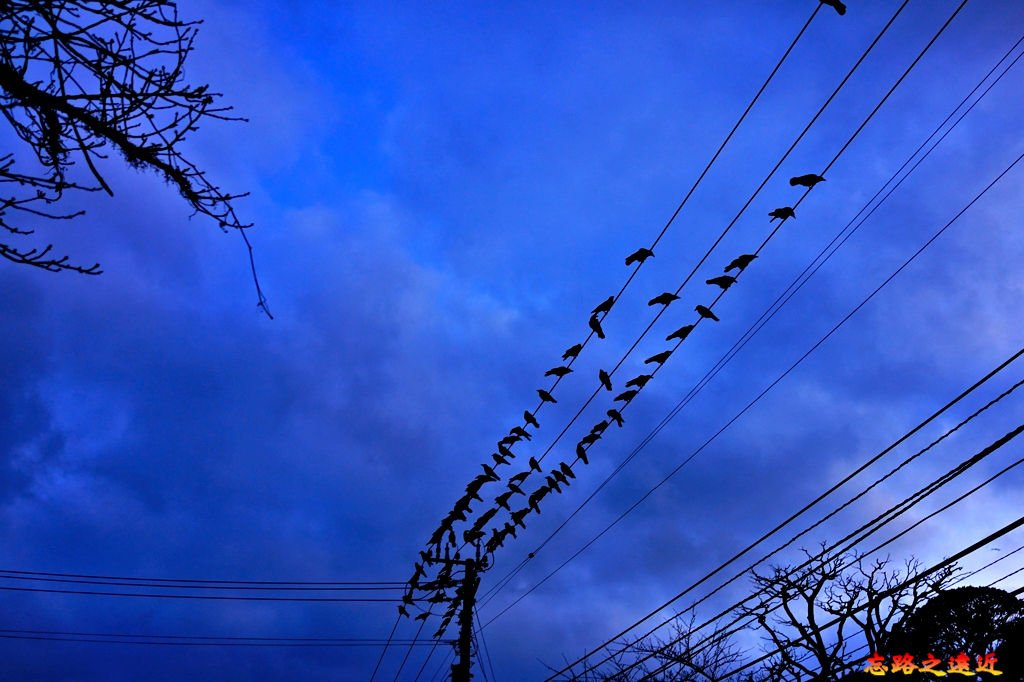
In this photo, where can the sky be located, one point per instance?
(441, 192)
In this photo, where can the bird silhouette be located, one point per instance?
(604, 306)
(783, 213)
(680, 333)
(595, 324)
(552, 483)
(502, 500)
(605, 378)
(518, 516)
(491, 473)
(659, 358)
(566, 469)
(704, 311)
(809, 180)
(515, 488)
(723, 281)
(509, 440)
(498, 459)
(521, 432)
(600, 426)
(402, 611)
(663, 299)
(557, 372)
(534, 464)
(837, 5)
(581, 452)
(545, 396)
(505, 452)
(560, 477)
(639, 381)
(616, 416)
(572, 351)
(639, 256)
(520, 477)
(740, 262)
(590, 438)
(626, 396)
(530, 419)
(424, 615)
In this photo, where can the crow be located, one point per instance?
(626, 396)
(402, 611)
(605, 378)
(680, 333)
(557, 372)
(530, 419)
(518, 516)
(521, 432)
(520, 477)
(484, 518)
(424, 615)
(783, 213)
(560, 477)
(809, 180)
(590, 438)
(639, 381)
(502, 500)
(600, 426)
(572, 352)
(491, 473)
(663, 299)
(566, 470)
(509, 440)
(639, 256)
(604, 306)
(534, 464)
(837, 5)
(498, 459)
(581, 452)
(595, 325)
(516, 489)
(505, 452)
(617, 416)
(659, 358)
(723, 281)
(552, 483)
(545, 396)
(740, 262)
(704, 311)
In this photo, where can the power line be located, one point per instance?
(214, 597)
(202, 580)
(236, 587)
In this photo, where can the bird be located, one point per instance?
(605, 378)
(639, 381)
(783, 213)
(572, 352)
(704, 311)
(581, 452)
(552, 483)
(517, 517)
(515, 488)
(509, 440)
(639, 256)
(740, 262)
(626, 396)
(423, 616)
(566, 470)
(809, 180)
(545, 396)
(557, 372)
(491, 473)
(590, 438)
(616, 416)
(530, 419)
(534, 464)
(505, 452)
(520, 477)
(595, 325)
(498, 459)
(560, 477)
(659, 358)
(723, 281)
(521, 432)
(604, 306)
(600, 426)
(502, 500)
(680, 333)
(402, 611)
(663, 299)
(837, 5)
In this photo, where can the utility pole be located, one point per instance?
(467, 595)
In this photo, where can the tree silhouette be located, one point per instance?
(82, 78)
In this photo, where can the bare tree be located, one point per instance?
(79, 78)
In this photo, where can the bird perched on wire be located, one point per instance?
(639, 381)
(616, 416)
(520, 477)
(837, 5)
(534, 464)
(626, 396)
(606, 379)
(600, 426)
(502, 500)
(639, 256)
(566, 470)
(658, 358)
(545, 396)
(521, 432)
(509, 440)
(595, 325)
(581, 452)
(663, 299)
(740, 262)
(604, 306)
(809, 180)
(680, 333)
(557, 372)
(705, 312)
(782, 213)
(572, 352)
(491, 473)
(590, 438)
(530, 419)
(723, 281)
(498, 459)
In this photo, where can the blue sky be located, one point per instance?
(441, 193)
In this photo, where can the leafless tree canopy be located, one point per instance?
(79, 78)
